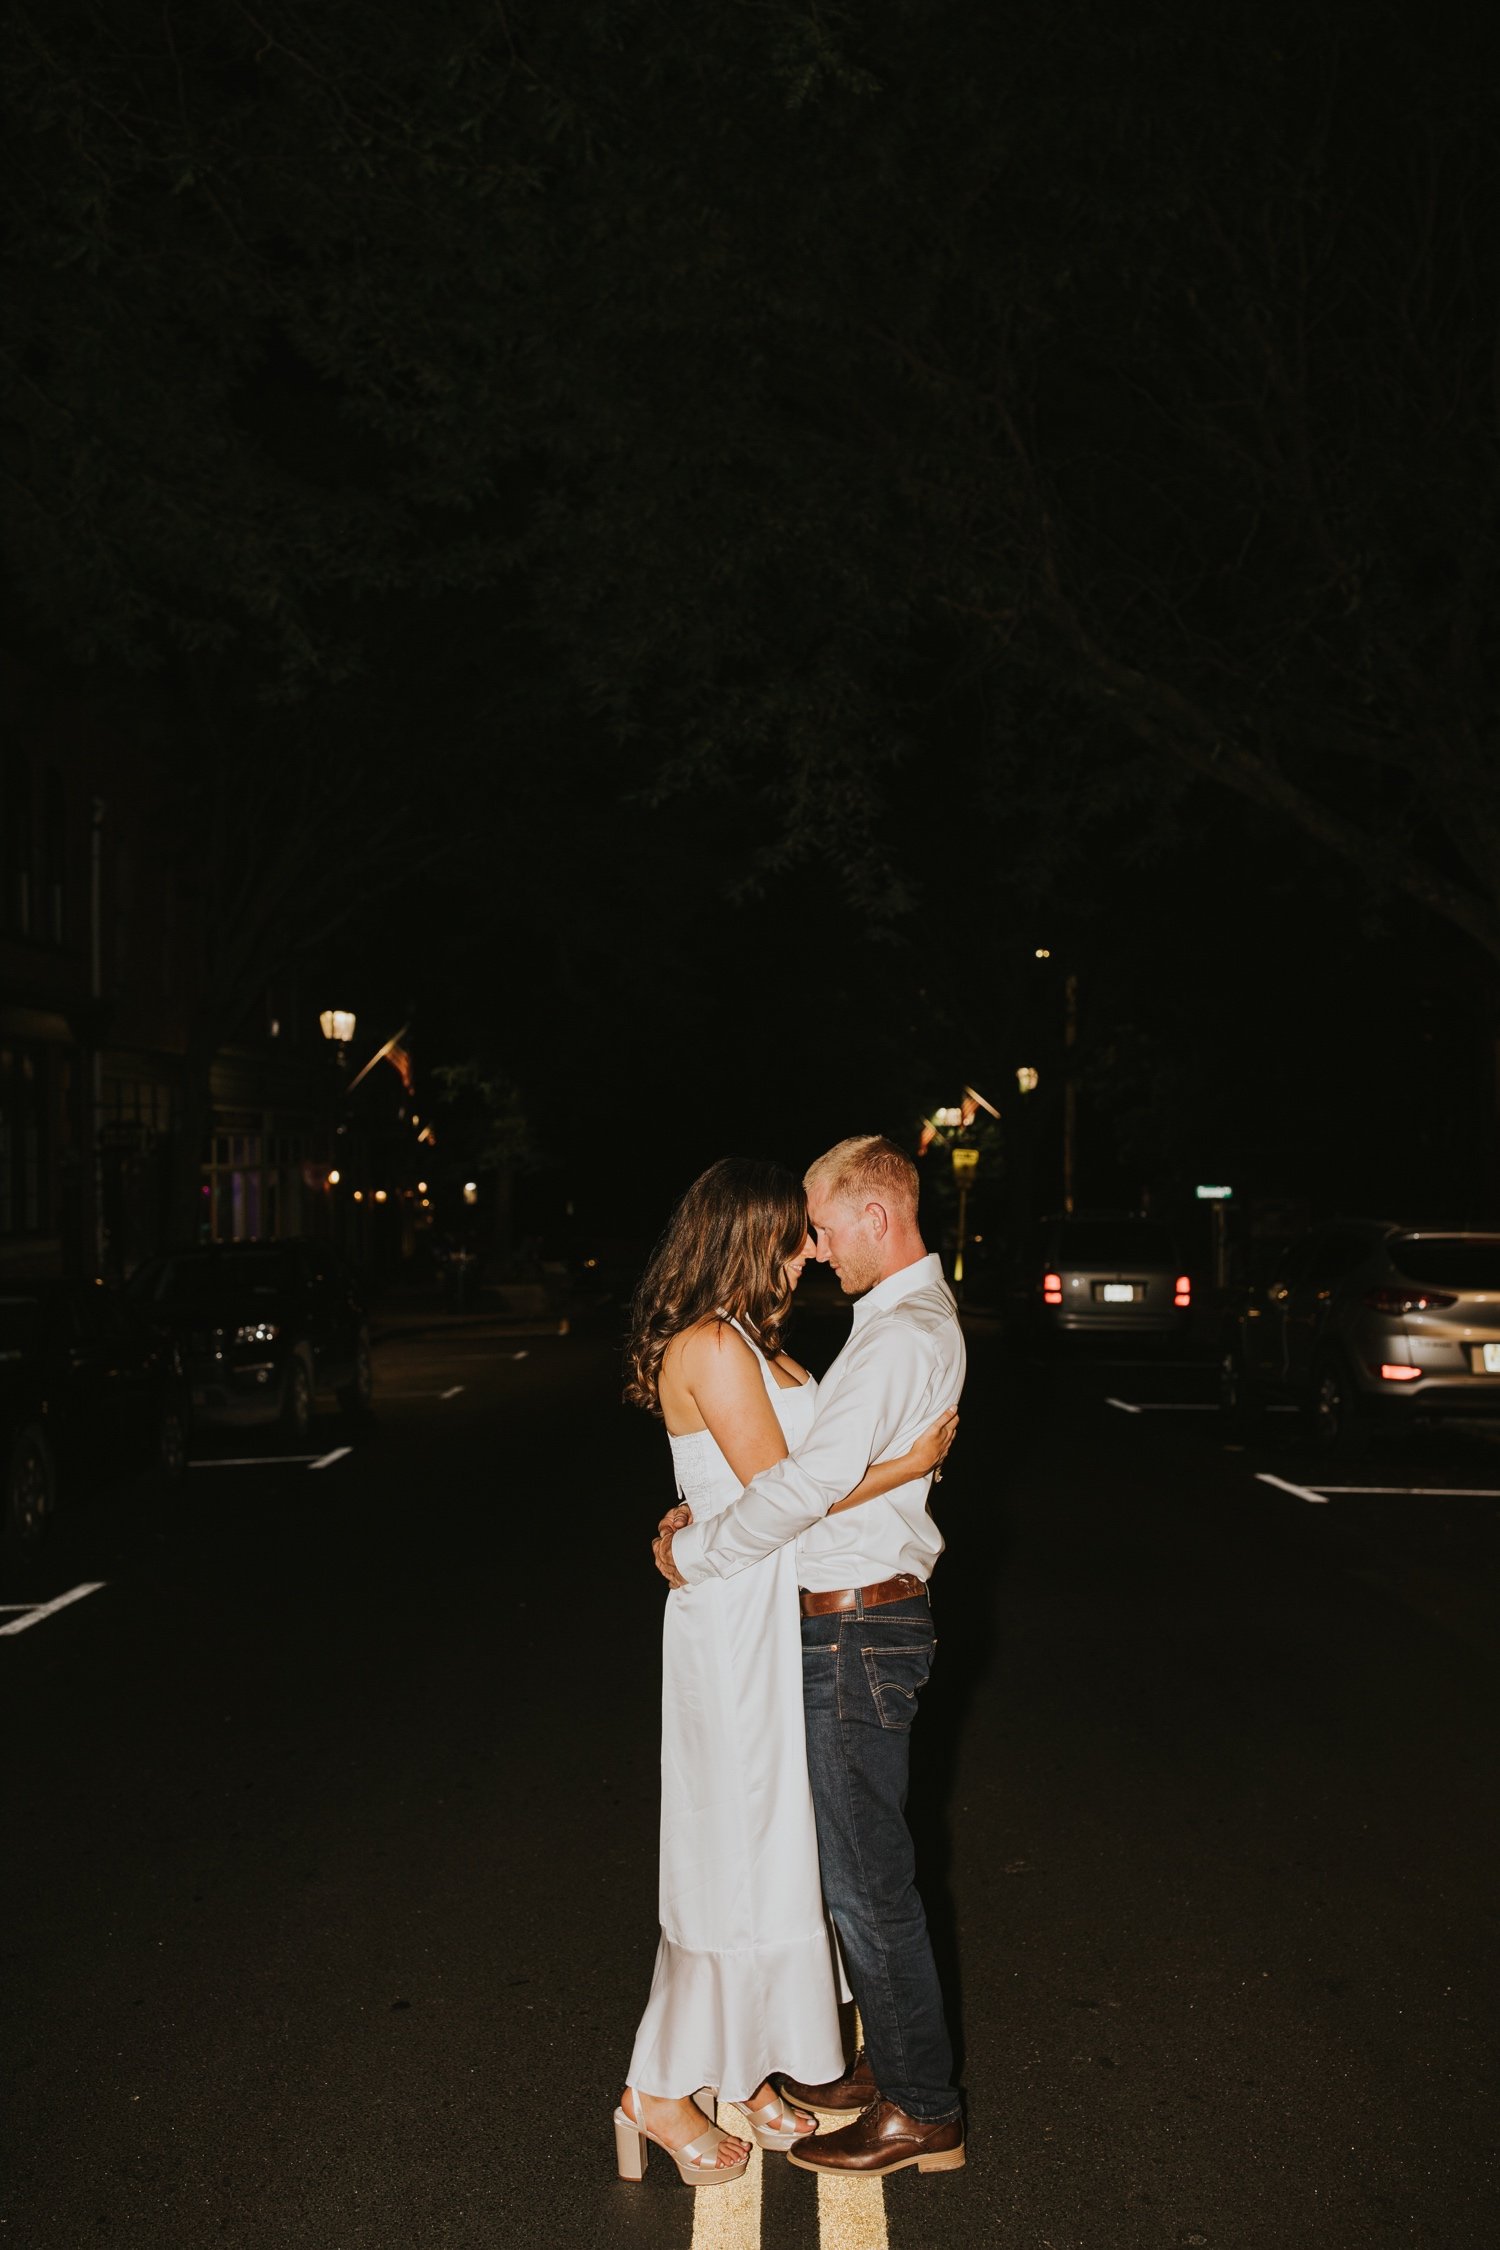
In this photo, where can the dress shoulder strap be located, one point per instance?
(740, 1330)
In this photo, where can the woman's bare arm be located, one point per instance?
(929, 1453)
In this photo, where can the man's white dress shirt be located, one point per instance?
(902, 1367)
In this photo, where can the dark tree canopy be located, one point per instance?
(1077, 394)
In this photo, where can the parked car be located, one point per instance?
(1367, 1323)
(89, 1394)
(262, 1327)
(1106, 1276)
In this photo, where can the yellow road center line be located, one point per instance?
(728, 2218)
(851, 2213)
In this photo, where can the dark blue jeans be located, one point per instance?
(862, 1673)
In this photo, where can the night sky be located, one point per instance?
(783, 515)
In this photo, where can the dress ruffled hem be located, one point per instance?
(728, 2020)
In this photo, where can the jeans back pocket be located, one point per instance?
(897, 1677)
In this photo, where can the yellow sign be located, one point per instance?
(965, 1165)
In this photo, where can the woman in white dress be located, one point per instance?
(746, 1982)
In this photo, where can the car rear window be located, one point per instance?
(1112, 1242)
(1451, 1261)
(196, 1283)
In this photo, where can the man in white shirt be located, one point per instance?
(867, 1642)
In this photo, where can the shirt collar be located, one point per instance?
(922, 1275)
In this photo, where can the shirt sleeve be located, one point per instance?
(880, 1378)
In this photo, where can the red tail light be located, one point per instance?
(1408, 1300)
(1183, 1294)
(1390, 1373)
(1051, 1288)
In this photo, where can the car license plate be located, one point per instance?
(1487, 1360)
(1118, 1293)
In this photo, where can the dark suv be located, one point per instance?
(262, 1328)
(1366, 1322)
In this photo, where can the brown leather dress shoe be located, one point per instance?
(884, 2139)
(841, 2097)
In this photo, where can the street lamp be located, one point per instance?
(965, 1163)
(1070, 1081)
(337, 1026)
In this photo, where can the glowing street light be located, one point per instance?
(1026, 1079)
(337, 1025)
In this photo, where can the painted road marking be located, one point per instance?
(452, 1391)
(851, 2213)
(1167, 1406)
(1305, 1492)
(1199, 1364)
(276, 1460)
(1418, 1491)
(728, 2218)
(258, 1461)
(1319, 1495)
(1180, 1406)
(37, 1611)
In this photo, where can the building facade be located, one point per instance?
(101, 922)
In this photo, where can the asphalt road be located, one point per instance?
(329, 1885)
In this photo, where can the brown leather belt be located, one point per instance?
(899, 1589)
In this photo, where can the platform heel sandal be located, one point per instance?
(697, 2163)
(775, 2126)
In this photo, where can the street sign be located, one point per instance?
(1213, 1194)
(965, 1165)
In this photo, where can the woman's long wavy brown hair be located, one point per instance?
(724, 1250)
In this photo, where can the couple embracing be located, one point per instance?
(797, 1638)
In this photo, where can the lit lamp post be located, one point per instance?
(965, 1162)
(1070, 1082)
(337, 1025)
(953, 1120)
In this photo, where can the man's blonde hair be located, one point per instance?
(867, 1169)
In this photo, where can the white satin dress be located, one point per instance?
(746, 1978)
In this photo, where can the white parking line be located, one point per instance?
(1305, 1492)
(38, 1611)
(275, 1460)
(1419, 1491)
(258, 1461)
(1179, 1406)
(1145, 1363)
(1318, 1496)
